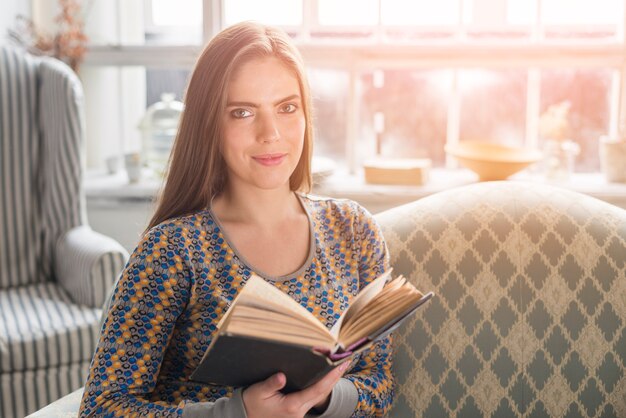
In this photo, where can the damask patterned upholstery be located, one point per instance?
(55, 272)
(529, 317)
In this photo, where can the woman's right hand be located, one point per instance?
(264, 399)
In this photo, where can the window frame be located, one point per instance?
(379, 52)
(151, 27)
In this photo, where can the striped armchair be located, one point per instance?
(55, 272)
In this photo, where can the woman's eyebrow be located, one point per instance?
(250, 104)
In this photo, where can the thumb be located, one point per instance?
(274, 383)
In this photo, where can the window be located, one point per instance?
(143, 22)
(411, 107)
(344, 13)
(330, 91)
(272, 12)
(397, 78)
(493, 105)
(588, 92)
(166, 22)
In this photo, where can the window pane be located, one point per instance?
(499, 18)
(141, 22)
(348, 12)
(582, 12)
(271, 12)
(116, 101)
(484, 12)
(420, 12)
(159, 81)
(170, 13)
(588, 92)
(414, 104)
(521, 12)
(330, 101)
(493, 106)
(114, 105)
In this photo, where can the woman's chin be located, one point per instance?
(269, 186)
(269, 182)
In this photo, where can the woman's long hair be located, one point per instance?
(196, 169)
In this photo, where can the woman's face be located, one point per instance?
(263, 125)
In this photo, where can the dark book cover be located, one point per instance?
(242, 361)
(235, 360)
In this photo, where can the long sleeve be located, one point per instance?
(149, 297)
(343, 401)
(372, 374)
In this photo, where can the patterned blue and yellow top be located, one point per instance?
(178, 283)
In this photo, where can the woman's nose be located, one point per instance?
(268, 129)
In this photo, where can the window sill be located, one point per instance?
(106, 190)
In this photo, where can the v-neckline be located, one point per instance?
(299, 271)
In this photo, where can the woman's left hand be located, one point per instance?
(264, 399)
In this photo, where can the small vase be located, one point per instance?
(560, 157)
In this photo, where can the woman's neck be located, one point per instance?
(257, 207)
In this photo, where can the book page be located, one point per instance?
(384, 308)
(380, 313)
(246, 315)
(262, 295)
(383, 328)
(360, 300)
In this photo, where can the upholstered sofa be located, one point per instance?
(529, 317)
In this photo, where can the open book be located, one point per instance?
(265, 331)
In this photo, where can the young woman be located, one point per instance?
(234, 204)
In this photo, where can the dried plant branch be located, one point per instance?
(69, 43)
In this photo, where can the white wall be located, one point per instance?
(10, 9)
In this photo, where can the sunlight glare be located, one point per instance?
(582, 12)
(439, 81)
(271, 12)
(521, 12)
(348, 12)
(170, 13)
(475, 79)
(420, 12)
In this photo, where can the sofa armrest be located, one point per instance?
(87, 264)
(66, 406)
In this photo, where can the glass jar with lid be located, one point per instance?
(158, 128)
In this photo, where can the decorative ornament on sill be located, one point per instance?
(560, 151)
(68, 44)
(158, 128)
(613, 156)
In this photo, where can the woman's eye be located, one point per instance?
(240, 113)
(288, 108)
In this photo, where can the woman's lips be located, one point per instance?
(269, 159)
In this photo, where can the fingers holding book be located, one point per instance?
(323, 389)
(265, 399)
